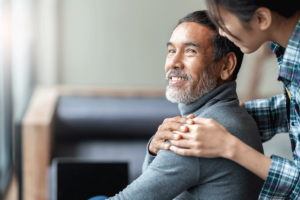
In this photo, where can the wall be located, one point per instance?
(117, 42)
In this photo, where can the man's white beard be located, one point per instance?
(188, 95)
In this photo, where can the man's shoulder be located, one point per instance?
(237, 121)
(172, 157)
(170, 162)
(231, 113)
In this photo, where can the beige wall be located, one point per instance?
(268, 85)
(116, 42)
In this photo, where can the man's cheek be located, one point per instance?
(197, 82)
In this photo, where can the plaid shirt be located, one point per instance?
(283, 181)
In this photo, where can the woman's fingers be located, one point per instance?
(183, 152)
(167, 135)
(191, 116)
(183, 143)
(187, 135)
(156, 145)
(171, 126)
(178, 128)
(174, 126)
(165, 132)
(207, 140)
(162, 145)
(177, 119)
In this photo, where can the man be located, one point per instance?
(201, 68)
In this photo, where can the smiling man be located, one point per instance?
(196, 58)
(201, 68)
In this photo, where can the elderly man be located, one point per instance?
(201, 68)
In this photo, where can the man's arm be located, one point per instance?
(164, 131)
(148, 158)
(270, 115)
(166, 177)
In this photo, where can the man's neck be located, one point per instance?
(220, 81)
(282, 28)
(224, 92)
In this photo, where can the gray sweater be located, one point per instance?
(171, 176)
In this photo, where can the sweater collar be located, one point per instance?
(223, 93)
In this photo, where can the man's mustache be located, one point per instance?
(178, 73)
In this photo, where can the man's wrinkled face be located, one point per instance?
(189, 63)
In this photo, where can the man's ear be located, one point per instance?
(228, 66)
(263, 18)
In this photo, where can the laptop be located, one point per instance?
(82, 179)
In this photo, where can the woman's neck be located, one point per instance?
(282, 28)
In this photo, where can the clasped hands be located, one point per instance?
(200, 137)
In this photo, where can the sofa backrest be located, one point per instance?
(111, 117)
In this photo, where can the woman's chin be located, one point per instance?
(246, 50)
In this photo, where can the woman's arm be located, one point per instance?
(269, 115)
(249, 158)
(210, 139)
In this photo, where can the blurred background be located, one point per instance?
(64, 62)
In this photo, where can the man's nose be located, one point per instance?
(176, 61)
(222, 33)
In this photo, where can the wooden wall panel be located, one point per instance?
(36, 144)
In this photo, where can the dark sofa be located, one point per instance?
(109, 128)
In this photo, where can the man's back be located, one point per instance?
(171, 176)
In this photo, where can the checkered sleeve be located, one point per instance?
(270, 115)
(282, 181)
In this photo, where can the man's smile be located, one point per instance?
(176, 80)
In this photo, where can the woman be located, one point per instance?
(249, 24)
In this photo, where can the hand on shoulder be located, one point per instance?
(166, 132)
(205, 138)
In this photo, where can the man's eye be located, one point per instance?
(171, 51)
(191, 51)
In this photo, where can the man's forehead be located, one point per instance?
(191, 31)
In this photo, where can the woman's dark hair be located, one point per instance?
(222, 46)
(245, 9)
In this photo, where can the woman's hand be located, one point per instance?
(165, 132)
(206, 138)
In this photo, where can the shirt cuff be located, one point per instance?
(282, 181)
